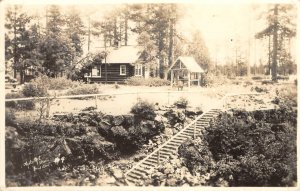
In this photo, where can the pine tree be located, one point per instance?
(56, 47)
(281, 28)
(75, 31)
(198, 49)
(17, 41)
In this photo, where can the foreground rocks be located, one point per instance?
(77, 147)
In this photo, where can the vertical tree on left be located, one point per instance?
(20, 41)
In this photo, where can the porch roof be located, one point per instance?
(190, 64)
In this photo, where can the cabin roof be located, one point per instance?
(190, 64)
(123, 54)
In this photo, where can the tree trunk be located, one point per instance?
(275, 45)
(171, 48)
(22, 77)
(269, 58)
(115, 41)
(15, 43)
(126, 30)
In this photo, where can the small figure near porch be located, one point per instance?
(180, 85)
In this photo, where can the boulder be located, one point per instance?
(107, 119)
(171, 182)
(181, 115)
(117, 120)
(169, 169)
(128, 121)
(119, 131)
(178, 126)
(104, 128)
(192, 111)
(117, 173)
(105, 180)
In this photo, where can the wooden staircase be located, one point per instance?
(170, 147)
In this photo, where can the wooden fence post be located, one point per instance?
(96, 101)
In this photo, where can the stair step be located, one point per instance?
(202, 123)
(177, 141)
(186, 133)
(133, 176)
(190, 130)
(151, 160)
(171, 147)
(141, 170)
(168, 150)
(130, 179)
(174, 144)
(207, 117)
(148, 163)
(183, 136)
(182, 139)
(137, 173)
(162, 154)
(146, 167)
(203, 120)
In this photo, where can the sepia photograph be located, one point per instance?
(149, 94)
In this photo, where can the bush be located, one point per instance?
(13, 104)
(248, 83)
(84, 89)
(266, 82)
(288, 95)
(207, 80)
(247, 149)
(140, 81)
(60, 83)
(157, 82)
(257, 78)
(25, 104)
(282, 78)
(181, 103)
(144, 110)
(34, 90)
(9, 117)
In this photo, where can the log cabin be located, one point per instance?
(121, 63)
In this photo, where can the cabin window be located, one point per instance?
(122, 69)
(96, 71)
(138, 69)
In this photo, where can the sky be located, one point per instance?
(221, 25)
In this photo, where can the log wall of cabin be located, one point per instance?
(113, 73)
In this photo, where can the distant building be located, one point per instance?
(121, 63)
(185, 70)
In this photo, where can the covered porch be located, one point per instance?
(185, 71)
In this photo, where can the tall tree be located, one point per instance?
(198, 49)
(75, 31)
(159, 21)
(281, 27)
(17, 38)
(148, 52)
(55, 46)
